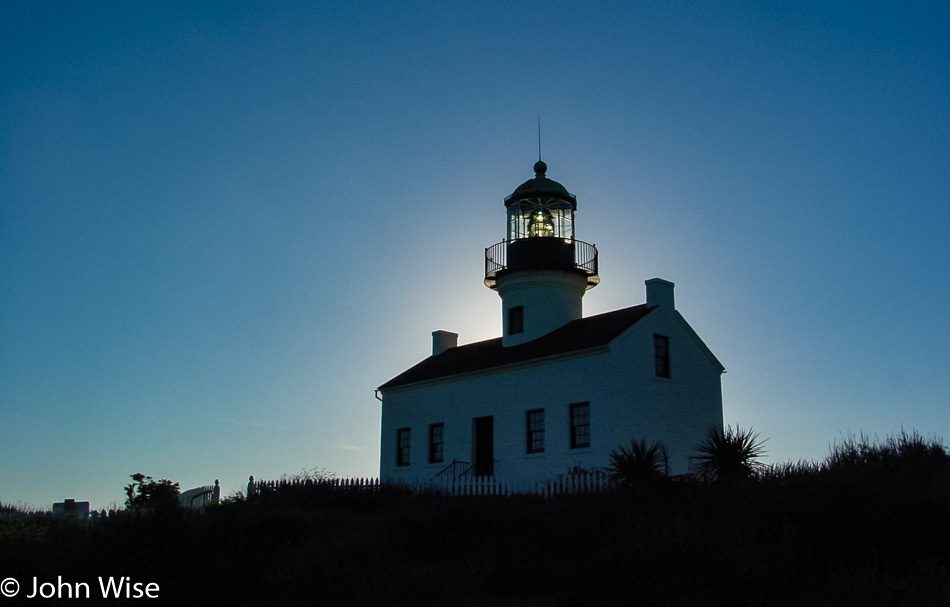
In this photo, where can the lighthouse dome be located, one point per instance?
(541, 187)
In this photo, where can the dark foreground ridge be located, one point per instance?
(859, 532)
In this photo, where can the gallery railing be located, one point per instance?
(541, 253)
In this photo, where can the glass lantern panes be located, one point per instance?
(540, 217)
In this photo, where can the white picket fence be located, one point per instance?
(591, 482)
(356, 484)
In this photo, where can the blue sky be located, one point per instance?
(222, 225)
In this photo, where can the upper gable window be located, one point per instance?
(515, 320)
(661, 355)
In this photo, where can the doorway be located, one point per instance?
(483, 445)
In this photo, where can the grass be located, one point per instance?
(842, 531)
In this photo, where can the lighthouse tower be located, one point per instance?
(540, 270)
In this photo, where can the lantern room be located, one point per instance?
(541, 208)
(540, 234)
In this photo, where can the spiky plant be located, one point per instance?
(638, 464)
(730, 454)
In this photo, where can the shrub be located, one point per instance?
(146, 494)
(905, 449)
(638, 464)
(730, 454)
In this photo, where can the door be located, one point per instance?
(483, 444)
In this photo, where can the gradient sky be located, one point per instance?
(223, 224)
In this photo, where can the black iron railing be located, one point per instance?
(457, 469)
(584, 259)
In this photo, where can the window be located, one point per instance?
(515, 320)
(535, 425)
(402, 447)
(436, 443)
(580, 425)
(661, 355)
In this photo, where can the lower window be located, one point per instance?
(436, 443)
(580, 425)
(535, 426)
(402, 446)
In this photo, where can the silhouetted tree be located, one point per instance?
(730, 454)
(146, 494)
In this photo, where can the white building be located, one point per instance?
(71, 507)
(556, 391)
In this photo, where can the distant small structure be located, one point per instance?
(199, 496)
(71, 507)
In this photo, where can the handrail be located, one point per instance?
(585, 259)
(455, 463)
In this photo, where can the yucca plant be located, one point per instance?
(730, 454)
(638, 464)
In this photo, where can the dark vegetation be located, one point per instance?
(870, 525)
(145, 494)
(638, 465)
(729, 455)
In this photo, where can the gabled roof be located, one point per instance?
(577, 335)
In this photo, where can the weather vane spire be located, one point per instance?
(539, 139)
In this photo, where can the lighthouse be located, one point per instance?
(540, 270)
(557, 391)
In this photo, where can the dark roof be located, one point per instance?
(541, 187)
(581, 334)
